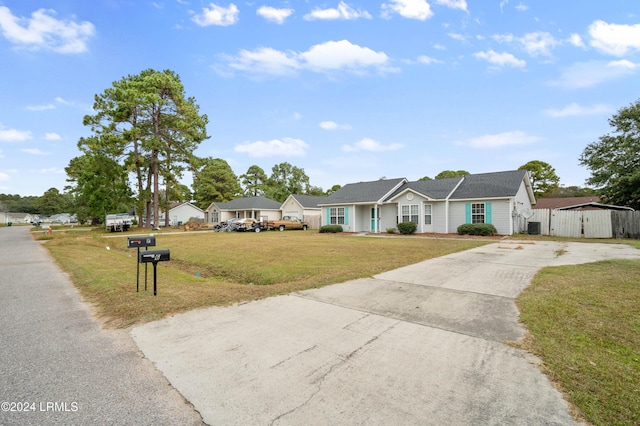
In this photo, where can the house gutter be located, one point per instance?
(446, 205)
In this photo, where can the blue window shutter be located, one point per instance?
(346, 215)
(487, 212)
(328, 215)
(468, 213)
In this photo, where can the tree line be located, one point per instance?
(144, 132)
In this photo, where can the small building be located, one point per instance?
(305, 207)
(259, 207)
(180, 213)
(576, 203)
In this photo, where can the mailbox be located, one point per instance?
(141, 241)
(154, 256)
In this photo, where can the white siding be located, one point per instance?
(184, 212)
(292, 208)
(501, 218)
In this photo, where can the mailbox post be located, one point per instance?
(154, 256)
(137, 242)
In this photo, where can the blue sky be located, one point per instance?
(347, 90)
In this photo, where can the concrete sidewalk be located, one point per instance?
(419, 345)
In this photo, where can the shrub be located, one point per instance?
(391, 230)
(331, 228)
(407, 228)
(483, 229)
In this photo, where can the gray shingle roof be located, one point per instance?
(490, 185)
(438, 189)
(481, 185)
(309, 201)
(250, 203)
(363, 192)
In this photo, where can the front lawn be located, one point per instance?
(209, 268)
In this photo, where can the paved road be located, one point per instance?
(58, 363)
(421, 345)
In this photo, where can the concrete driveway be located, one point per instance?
(419, 345)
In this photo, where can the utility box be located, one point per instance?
(154, 256)
(533, 228)
(141, 241)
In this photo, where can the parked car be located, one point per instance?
(288, 222)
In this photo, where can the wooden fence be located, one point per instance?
(587, 223)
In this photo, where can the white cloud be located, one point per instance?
(44, 31)
(576, 40)
(614, 39)
(1, 156)
(535, 44)
(424, 59)
(13, 135)
(588, 74)
(52, 171)
(52, 137)
(326, 57)
(34, 151)
(371, 145)
(574, 109)
(217, 15)
(457, 36)
(288, 147)
(335, 55)
(40, 107)
(538, 43)
(410, 9)
(266, 60)
(454, 4)
(332, 125)
(499, 140)
(343, 11)
(522, 7)
(500, 59)
(273, 14)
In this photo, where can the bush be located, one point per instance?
(331, 228)
(407, 228)
(391, 230)
(483, 229)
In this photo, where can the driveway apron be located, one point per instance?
(58, 366)
(420, 345)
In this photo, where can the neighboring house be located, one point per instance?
(259, 207)
(436, 206)
(576, 203)
(181, 213)
(62, 218)
(305, 207)
(17, 218)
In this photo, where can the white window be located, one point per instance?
(214, 216)
(477, 213)
(410, 213)
(427, 214)
(337, 215)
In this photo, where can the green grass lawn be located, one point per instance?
(584, 323)
(210, 268)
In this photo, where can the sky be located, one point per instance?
(349, 91)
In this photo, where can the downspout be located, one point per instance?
(446, 206)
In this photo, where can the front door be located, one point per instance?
(375, 219)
